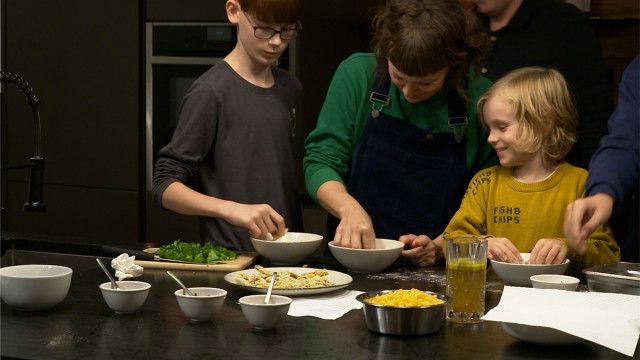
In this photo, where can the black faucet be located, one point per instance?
(35, 200)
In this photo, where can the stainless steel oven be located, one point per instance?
(176, 55)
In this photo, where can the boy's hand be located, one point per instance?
(502, 249)
(422, 251)
(548, 251)
(257, 219)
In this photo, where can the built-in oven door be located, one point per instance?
(176, 55)
(171, 82)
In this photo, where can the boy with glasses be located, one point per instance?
(230, 160)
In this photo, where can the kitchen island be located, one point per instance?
(83, 327)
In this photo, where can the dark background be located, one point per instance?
(85, 59)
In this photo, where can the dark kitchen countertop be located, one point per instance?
(82, 326)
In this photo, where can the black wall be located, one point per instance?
(85, 60)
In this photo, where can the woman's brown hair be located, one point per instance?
(421, 37)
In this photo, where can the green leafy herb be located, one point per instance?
(194, 252)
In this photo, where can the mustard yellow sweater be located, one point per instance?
(497, 204)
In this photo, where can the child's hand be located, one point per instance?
(548, 251)
(257, 219)
(502, 249)
(422, 251)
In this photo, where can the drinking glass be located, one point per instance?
(466, 277)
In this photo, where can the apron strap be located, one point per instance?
(379, 96)
(458, 119)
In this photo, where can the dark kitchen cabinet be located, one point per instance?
(83, 59)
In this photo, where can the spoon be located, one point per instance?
(268, 297)
(184, 288)
(114, 284)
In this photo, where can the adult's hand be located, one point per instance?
(421, 249)
(355, 229)
(548, 251)
(583, 217)
(502, 249)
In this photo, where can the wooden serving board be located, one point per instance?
(243, 260)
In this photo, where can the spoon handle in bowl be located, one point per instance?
(268, 297)
(114, 284)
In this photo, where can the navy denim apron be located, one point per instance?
(408, 179)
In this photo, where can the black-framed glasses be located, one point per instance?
(267, 32)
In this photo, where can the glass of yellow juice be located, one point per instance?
(466, 276)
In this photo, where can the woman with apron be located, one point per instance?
(397, 138)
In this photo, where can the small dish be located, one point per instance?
(203, 305)
(264, 316)
(127, 298)
(554, 281)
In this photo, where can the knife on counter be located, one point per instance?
(140, 254)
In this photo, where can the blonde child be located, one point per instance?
(519, 204)
(230, 160)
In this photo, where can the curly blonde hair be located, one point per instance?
(543, 105)
(421, 37)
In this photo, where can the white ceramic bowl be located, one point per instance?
(34, 287)
(204, 305)
(520, 274)
(368, 260)
(128, 298)
(291, 249)
(540, 334)
(264, 316)
(553, 281)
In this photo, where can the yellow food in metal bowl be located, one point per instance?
(405, 298)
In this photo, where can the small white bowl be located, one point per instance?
(204, 305)
(290, 249)
(128, 298)
(520, 274)
(368, 260)
(553, 281)
(34, 287)
(264, 316)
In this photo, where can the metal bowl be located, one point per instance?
(620, 277)
(414, 320)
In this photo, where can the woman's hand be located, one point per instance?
(548, 251)
(257, 219)
(355, 229)
(422, 250)
(502, 249)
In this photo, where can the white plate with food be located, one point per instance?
(291, 281)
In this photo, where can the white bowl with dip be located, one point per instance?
(127, 298)
(204, 305)
(34, 287)
(264, 316)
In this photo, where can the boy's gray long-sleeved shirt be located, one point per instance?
(233, 142)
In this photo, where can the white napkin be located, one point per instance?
(125, 268)
(329, 307)
(611, 320)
